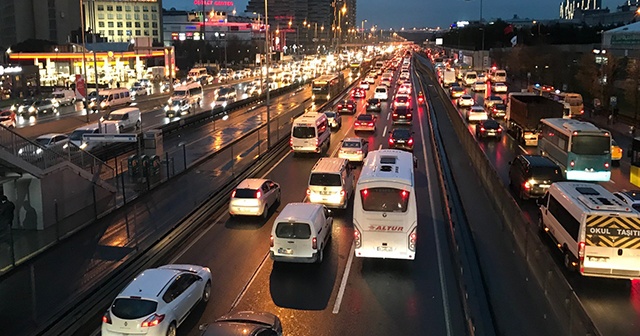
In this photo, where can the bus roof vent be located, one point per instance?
(587, 191)
(386, 168)
(388, 160)
(604, 203)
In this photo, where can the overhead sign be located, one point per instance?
(439, 40)
(10, 70)
(110, 137)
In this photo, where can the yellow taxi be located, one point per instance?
(616, 153)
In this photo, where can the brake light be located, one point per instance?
(408, 115)
(271, 240)
(391, 141)
(350, 106)
(364, 192)
(308, 192)
(106, 318)
(258, 194)
(314, 243)
(152, 321)
(527, 185)
(410, 141)
(395, 114)
(316, 142)
(482, 129)
(581, 111)
(370, 124)
(572, 163)
(499, 129)
(357, 239)
(339, 106)
(412, 240)
(357, 123)
(581, 247)
(233, 194)
(606, 165)
(291, 141)
(342, 193)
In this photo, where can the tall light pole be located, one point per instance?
(342, 12)
(268, 59)
(363, 21)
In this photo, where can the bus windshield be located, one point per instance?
(384, 199)
(590, 144)
(304, 132)
(324, 88)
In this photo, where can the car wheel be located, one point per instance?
(120, 129)
(265, 212)
(279, 199)
(320, 255)
(567, 260)
(138, 124)
(171, 331)
(540, 222)
(206, 293)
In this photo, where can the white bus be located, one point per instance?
(385, 216)
(598, 234)
(582, 150)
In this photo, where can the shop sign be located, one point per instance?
(10, 70)
(625, 39)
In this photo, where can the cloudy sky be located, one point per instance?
(419, 13)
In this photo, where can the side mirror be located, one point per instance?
(539, 202)
(415, 162)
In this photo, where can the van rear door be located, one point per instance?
(326, 188)
(293, 239)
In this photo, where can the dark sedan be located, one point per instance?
(374, 105)
(346, 106)
(401, 138)
(488, 128)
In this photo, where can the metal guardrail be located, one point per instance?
(558, 292)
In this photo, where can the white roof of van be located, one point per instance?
(298, 211)
(125, 110)
(87, 127)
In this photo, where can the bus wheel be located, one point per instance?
(567, 260)
(540, 223)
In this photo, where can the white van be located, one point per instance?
(196, 73)
(124, 118)
(77, 136)
(310, 133)
(63, 97)
(381, 93)
(191, 92)
(470, 78)
(300, 233)
(331, 183)
(114, 97)
(499, 76)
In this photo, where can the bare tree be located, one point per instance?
(632, 86)
(598, 80)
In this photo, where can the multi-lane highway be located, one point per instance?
(613, 305)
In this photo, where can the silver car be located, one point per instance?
(53, 141)
(246, 323)
(254, 197)
(354, 149)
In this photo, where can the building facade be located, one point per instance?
(124, 20)
(568, 7)
(182, 25)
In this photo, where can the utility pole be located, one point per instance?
(268, 51)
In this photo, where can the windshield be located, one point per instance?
(381, 90)
(103, 97)
(176, 102)
(500, 73)
(131, 309)
(365, 117)
(77, 134)
(293, 230)
(401, 134)
(179, 93)
(221, 99)
(330, 114)
(304, 132)
(320, 88)
(384, 199)
(324, 179)
(590, 144)
(471, 76)
(43, 141)
(116, 116)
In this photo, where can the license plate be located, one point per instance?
(283, 250)
(543, 185)
(325, 193)
(401, 141)
(402, 117)
(385, 249)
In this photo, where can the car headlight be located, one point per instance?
(101, 119)
(32, 109)
(39, 151)
(166, 108)
(21, 151)
(65, 146)
(13, 108)
(224, 104)
(103, 104)
(21, 108)
(92, 104)
(84, 145)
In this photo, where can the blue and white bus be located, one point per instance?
(580, 148)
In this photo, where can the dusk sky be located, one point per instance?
(432, 13)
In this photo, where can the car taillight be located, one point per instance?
(409, 115)
(271, 240)
(370, 124)
(482, 129)
(391, 141)
(581, 111)
(572, 164)
(316, 142)
(350, 106)
(606, 165)
(233, 194)
(527, 185)
(412, 240)
(499, 129)
(314, 243)
(308, 192)
(581, 247)
(410, 141)
(339, 106)
(342, 193)
(357, 240)
(395, 114)
(357, 123)
(152, 321)
(106, 318)
(291, 141)
(258, 194)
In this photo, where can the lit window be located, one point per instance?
(128, 16)
(145, 16)
(119, 16)
(136, 8)
(101, 24)
(127, 8)
(119, 24)
(120, 33)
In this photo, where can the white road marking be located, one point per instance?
(388, 115)
(246, 287)
(380, 147)
(443, 289)
(345, 277)
(385, 130)
(522, 149)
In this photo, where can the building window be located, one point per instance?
(154, 16)
(127, 16)
(100, 7)
(154, 24)
(137, 24)
(101, 24)
(119, 16)
(101, 16)
(136, 16)
(155, 32)
(110, 24)
(145, 17)
(119, 24)
(110, 32)
(110, 16)
(136, 8)
(146, 24)
(138, 32)
(118, 8)
(110, 8)
(127, 8)
(154, 9)
(145, 8)
(120, 33)
(101, 32)
(146, 33)
(129, 25)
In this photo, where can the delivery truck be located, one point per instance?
(448, 77)
(524, 111)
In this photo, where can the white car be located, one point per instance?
(465, 101)
(386, 83)
(365, 85)
(482, 78)
(477, 113)
(157, 301)
(254, 197)
(404, 88)
(222, 101)
(479, 86)
(371, 80)
(405, 75)
(354, 149)
(137, 91)
(381, 93)
(499, 88)
(53, 141)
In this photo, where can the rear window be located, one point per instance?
(365, 117)
(245, 193)
(401, 134)
(293, 230)
(325, 179)
(384, 199)
(383, 90)
(131, 309)
(351, 144)
(546, 174)
(304, 132)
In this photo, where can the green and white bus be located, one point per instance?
(580, 148)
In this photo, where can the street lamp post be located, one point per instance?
(268, 59)
(363, 21)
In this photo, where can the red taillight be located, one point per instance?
(342, 193)
(606, 165)
(482, 129)
(581, 111)
(572, 164)
(291, 142)
(308, 192)
(316, 142)
(233, 194)
(314, 243)
(271, 241)
(527, 185)
(404, 194)
(410, 141)
(581, 247)
(395, 114)
(357, 123)
(408, 115)
(371, 124)
(413, 237)
(356, 238)
(339, 106)
(350, 106)
(499, 130)
(106, 318)
(364, 192)
(152, 321)
(258, 194)
(391, 141)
